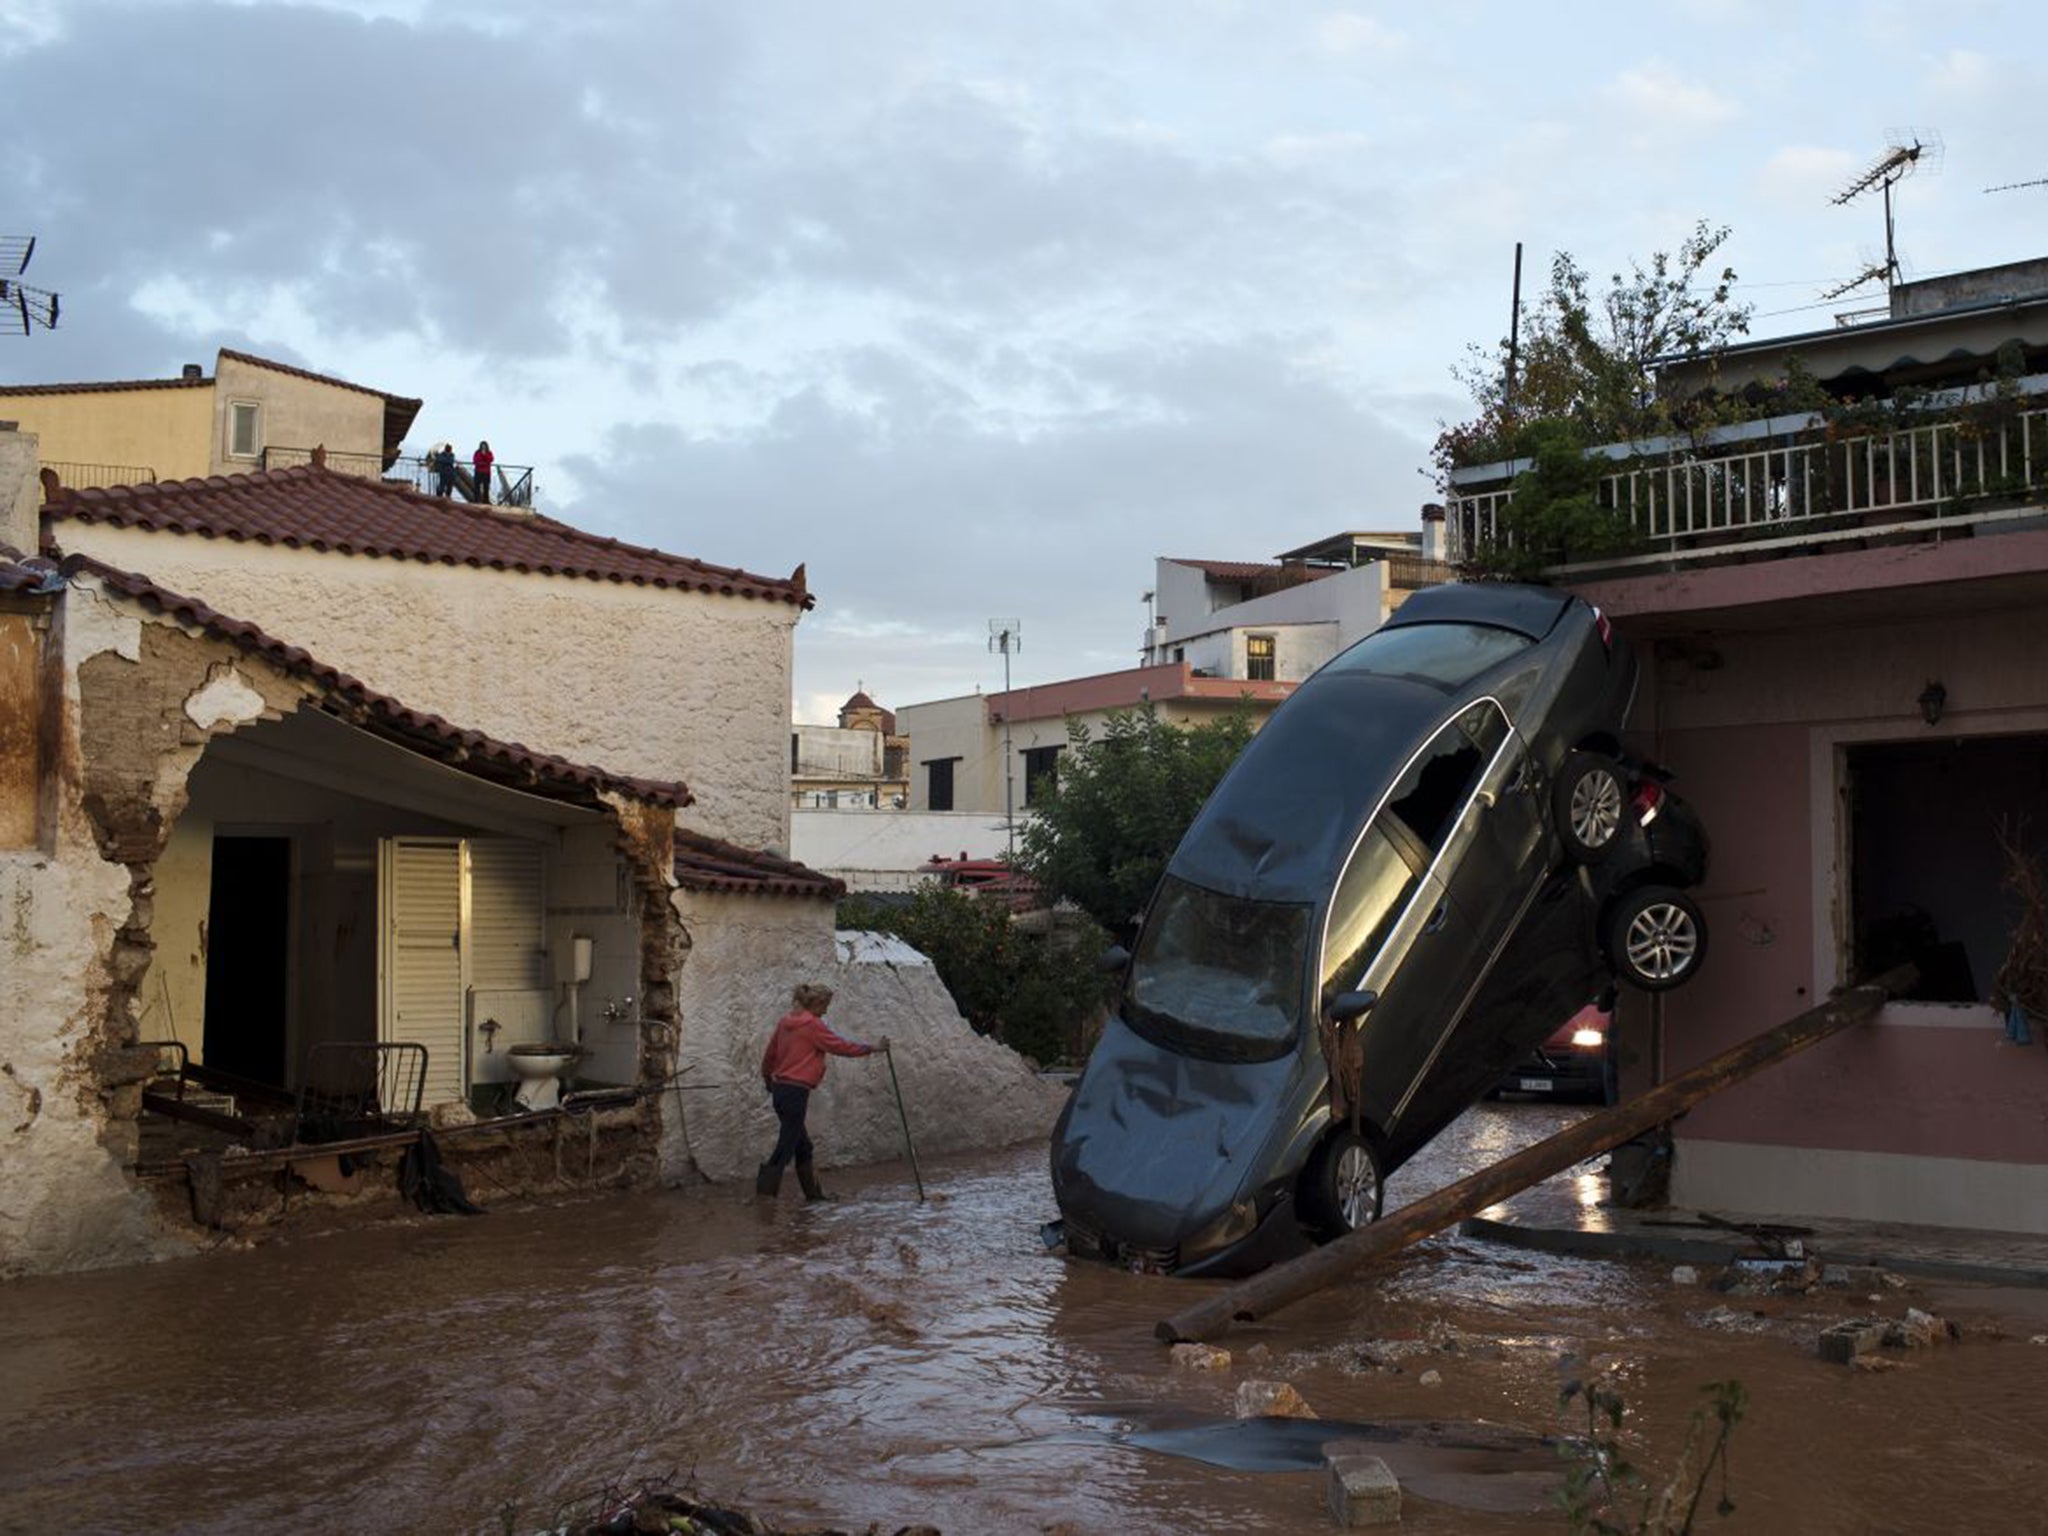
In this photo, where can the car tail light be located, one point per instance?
(1606, 629)
(1588, 1039)
(1648, 801)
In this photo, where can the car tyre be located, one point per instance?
(1656, 937)
(1341, 1188)
(1588, 801)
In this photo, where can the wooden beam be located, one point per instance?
(1263, 1293)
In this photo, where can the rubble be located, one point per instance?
(1849, 1342)
(1431, 1378)
(1919, 1329)
(1362, 1488)
(1685, 1274)
(1845, 1341)
(1198, 1357)
(1271, 1400)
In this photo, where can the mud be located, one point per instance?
(880, 1360)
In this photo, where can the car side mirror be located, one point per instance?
(1112, 960)
(1346, 1006)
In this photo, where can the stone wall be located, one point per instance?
(638, 680)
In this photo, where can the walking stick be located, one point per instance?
(909, 1145)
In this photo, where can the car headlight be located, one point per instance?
(1587, 1039)
(1235, 1224)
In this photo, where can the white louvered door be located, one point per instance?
(422, 960)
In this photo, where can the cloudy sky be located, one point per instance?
(973, 307)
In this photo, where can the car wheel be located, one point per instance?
(1588, 802)
(1341, 1189)
(1657, 937)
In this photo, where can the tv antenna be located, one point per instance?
(1007, 636)
(1907, 151)
(2018, 186)
(22, 307)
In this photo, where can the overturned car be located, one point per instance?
(1430, 855)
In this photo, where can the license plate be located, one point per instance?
(1535, 1084)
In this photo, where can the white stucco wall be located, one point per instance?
(956, 727)
(660, 684)
(1311, 623)
(65, 1202)
(961, 1091)
(881, 850)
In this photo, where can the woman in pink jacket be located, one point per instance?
(791, 1067)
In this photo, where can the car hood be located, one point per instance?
(1281, 823)
(1156, 1144)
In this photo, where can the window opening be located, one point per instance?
(245, 436)
(939, 783)
(1041, 772)
(1925, 870)
(1258, 658)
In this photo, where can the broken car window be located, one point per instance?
(1445, 656)
(1218, 974)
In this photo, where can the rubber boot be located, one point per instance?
(768, 1181)
(807, 1175)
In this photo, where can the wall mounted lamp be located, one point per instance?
(1933, 699)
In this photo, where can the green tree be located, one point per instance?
(1585, 358)
(1103, 834)
(1036, 991)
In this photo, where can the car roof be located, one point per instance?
(1284, 818)
(1531, 611)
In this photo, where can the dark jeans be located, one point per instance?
(791, 1101)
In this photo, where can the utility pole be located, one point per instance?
(1007, 636)
(1507, 394)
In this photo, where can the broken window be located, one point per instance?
(1925, 870)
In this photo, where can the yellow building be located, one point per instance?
(249, 414)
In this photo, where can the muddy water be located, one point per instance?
(878, 1360)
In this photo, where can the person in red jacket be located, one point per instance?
(791, 1067)
(480, 464)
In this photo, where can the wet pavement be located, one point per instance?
(878, 1360)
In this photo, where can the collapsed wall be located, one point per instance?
(961, 1091)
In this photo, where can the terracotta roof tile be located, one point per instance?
(486, 757)
(1254, 570)
(309, 507)
(706, 864)
(103, 386)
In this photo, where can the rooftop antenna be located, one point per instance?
(1007, 636)
(2017, 186)
(22, 307)
(1907, 150)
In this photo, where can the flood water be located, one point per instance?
(878, 1360)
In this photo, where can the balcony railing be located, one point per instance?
(513, 482)
(1967, 458)
(79, 477)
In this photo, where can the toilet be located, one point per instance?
(540, 1065)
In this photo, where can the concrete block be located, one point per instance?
(1362, 1488)
(1846, 1340)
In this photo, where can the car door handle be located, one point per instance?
(1438, 918)
(1486, 799)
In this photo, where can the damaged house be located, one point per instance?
(1842, 614)
(319, 799)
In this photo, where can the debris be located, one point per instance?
(2039, 1338)
(1876, 1363)
(1363, 1490)
(1843, 1342)
(1198, 1357)
(1271, 1400)
(1919, 1329)
(1685, 1274)
(1431, 1378)
(1258, 1354)
(1727, 1319)
(1853, 1277)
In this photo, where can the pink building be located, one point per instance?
(1844, 635)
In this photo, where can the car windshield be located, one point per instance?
(1445, 656)
(1220, 975)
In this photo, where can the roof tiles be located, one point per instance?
(311, 507)
(706, 864)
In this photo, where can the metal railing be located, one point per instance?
(1810, 484)
(513, 485)
(78, 477)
